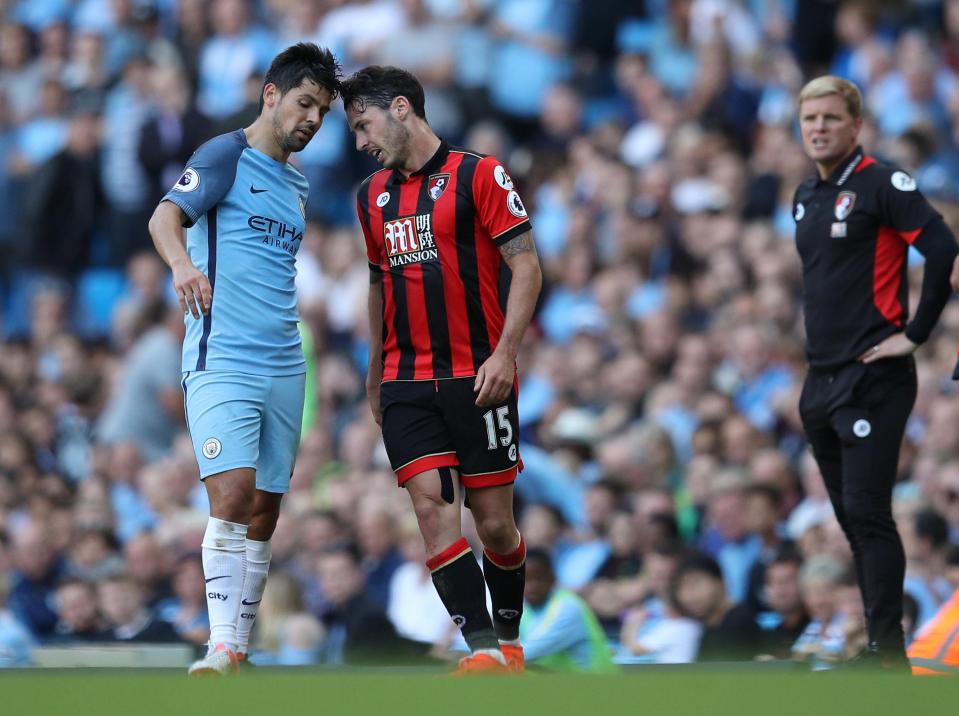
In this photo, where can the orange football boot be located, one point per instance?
(481, 663)
(515, 661)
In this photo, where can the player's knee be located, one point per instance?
(497, 532)
(263, 524)
(233, 507)
(428, 508)
(863, 518)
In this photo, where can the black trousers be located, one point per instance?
(855, 418)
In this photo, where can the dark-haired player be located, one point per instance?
(244, 208)
(440, 225)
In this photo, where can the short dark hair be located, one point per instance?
(535, 555)
(344, 548)
(698, 563)
(379, 85)
(787, 554)
(303, 61)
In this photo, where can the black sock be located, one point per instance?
(459, 582)
(506, 578)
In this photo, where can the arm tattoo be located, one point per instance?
(521, 244)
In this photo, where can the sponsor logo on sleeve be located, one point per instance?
(188, 182)
(502, 178)
(383, 199)
(800, 212)
(515, 205)
(903, 182)
(861, 428)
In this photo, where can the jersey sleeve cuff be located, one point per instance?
(915, 334)
(512, 232)
(191, 213)
(375, 268)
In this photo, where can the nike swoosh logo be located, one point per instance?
(225, 576)
(249, 604)
(254, 190)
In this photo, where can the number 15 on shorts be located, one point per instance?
(502, 421)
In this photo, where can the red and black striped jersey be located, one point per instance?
(434, 237)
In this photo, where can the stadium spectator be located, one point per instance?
(376, 536)
(145, 405)
(93, 555)
(236, 49)
(358, 631)
(729, 630)
(185, 609)
(284, 631)
(823, 641)
(37, 569)
(128, 618)
(172, 131)
(655, 631)
(411, 584)
(786, 618)
(763, 508)
(16, 642)
(925, 538)
(559, 631)
(63, 202)
(79, 617)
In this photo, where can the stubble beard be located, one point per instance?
(287, 142)
(397, 145)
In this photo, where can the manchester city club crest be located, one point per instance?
(844, 204)
(437, 185)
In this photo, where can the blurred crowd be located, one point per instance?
(668, 493)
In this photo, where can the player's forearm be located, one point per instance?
(524, 289)
(375, 307)
(166, 230)
(938, 246)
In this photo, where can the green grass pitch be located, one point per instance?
(328, 693)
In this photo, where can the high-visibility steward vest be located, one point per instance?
(935, 650)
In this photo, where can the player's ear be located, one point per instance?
(270, 94)
(400, 107)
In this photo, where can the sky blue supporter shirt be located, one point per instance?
(245, 221)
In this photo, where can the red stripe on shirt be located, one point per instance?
(890, 257)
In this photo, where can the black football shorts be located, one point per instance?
(436, 423)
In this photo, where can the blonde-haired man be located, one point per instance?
(855, 221)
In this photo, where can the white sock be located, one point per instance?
(495, 653)
(224, 563)
(258, 556)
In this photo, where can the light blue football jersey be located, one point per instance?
(246, 216)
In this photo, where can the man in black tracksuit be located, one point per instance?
(855, 222)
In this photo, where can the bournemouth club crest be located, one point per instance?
(844, 204)
(437, 185)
